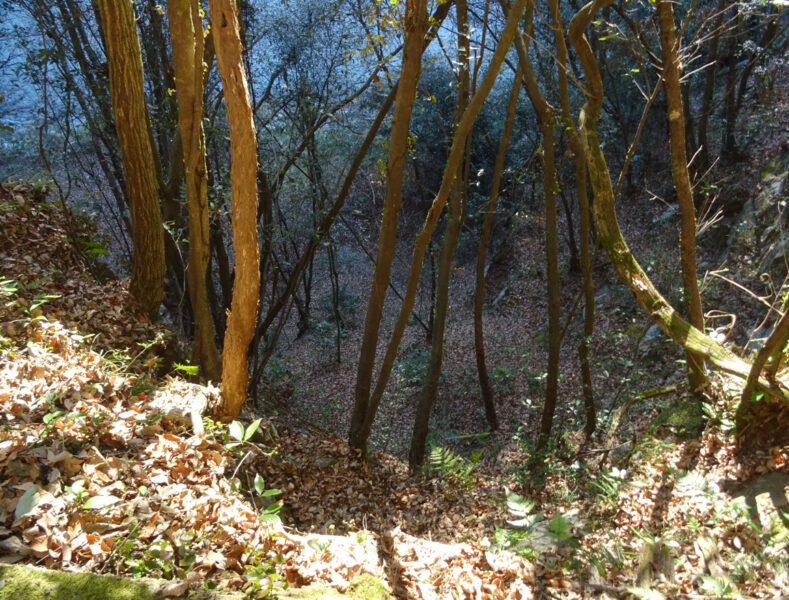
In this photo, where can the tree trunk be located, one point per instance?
(709, 88)
(416, 26)
(764, 423)
(484, 241)
(131, 121)
(545, 113)
(454, 161)
(243, 208)
(427, 396)
(669, 45)
(579, 164)
(186, 35)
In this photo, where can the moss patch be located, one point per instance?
(363, 587)
(367, 587)
(31, 584)
(685, 419)
(21, 582)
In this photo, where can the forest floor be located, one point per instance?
(94, 478)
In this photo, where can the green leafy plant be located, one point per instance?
(80, 496)
(559, 528)
(192, 370)
(517, 539)
(271, 511)
(453, 466)
(718, 588)
(319, 547)
(241, 434)
(260, 573)
(608, 485)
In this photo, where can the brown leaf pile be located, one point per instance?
(118, 489)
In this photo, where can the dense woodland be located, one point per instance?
(520, 245)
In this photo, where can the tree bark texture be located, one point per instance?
(131, 121)
(243, 209)
(186, 35)
(669, 46)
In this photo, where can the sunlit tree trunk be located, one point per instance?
(243, 208)
(429, 390)
(131, 121)
(186, 35)
(669, 45)
(416, 26)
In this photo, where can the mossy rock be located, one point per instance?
(363, 587)
(22, 582)
(686, 419)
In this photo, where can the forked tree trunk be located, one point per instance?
(186, 35)
(697, 377)
(243, 207)
(545, 113)
(454, 161)
(427, 396)
(484, 242)
(579, 164)
(416, 26)
(131, 121)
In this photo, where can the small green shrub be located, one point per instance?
(411, 369)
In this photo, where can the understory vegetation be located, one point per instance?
(409, 299)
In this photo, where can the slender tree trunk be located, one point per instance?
(429, 390)
(545, 113)
(243, 209)
(274, 315)
(186, 35)
(709, 88)
(484, 242)
(454, 161)
(131, 121)
(579, 164)
(697, 377)
(416, 26)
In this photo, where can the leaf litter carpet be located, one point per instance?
(92, 478)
